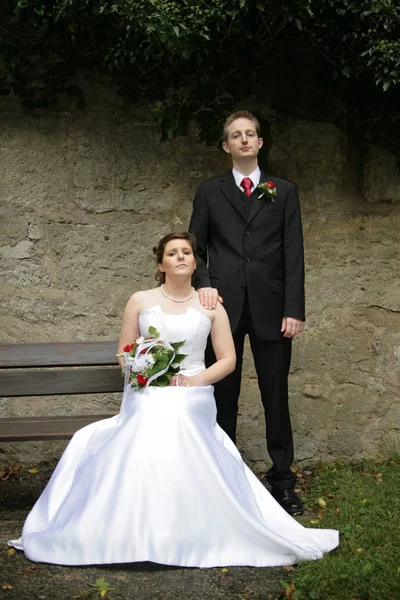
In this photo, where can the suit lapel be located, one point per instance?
(258, 203)
(231, 192)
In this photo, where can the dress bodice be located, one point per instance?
(192, 326)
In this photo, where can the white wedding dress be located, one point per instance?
(162, 482)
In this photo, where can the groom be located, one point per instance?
(250, 236)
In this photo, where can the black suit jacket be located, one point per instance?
(262, 252)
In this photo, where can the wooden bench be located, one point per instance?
(55, 369)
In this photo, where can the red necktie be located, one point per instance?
(246, 184)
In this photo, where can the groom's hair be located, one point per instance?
(158, 250)
(240, 114)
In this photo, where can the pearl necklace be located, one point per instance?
(175, 299)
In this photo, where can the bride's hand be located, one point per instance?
(181, 380)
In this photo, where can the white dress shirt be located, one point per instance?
(254, 176)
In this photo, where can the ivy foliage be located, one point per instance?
(198, 59)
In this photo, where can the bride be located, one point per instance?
(161, 481)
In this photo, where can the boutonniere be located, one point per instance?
(268, 189)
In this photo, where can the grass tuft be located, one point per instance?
(362, 501)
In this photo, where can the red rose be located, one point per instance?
(141, 379)
(143, 351)
(270, 184)
(128, 348)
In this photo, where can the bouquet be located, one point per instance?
(151, 360)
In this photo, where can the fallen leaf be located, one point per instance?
(313, 521)
(11, 469)
(321, 502)
(365, 500)
(338, 511)
(11, 551)
(102, 586)
(224, 570)
(359, 550)
(33, 470)
(289, 591)
(288, 568)
(6, 586)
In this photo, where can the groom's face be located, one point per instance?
(242, 140)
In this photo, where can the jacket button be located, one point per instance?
(247, 259)
(247, 232)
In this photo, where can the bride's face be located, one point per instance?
(178, 259)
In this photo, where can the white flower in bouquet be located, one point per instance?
(150, 359)
(140, 363)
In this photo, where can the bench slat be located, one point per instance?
(60, 381)
(60, 354)
(43, 428)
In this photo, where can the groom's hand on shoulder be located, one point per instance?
(291, 327)
(209, 297)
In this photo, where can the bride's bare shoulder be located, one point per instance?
(142, 299)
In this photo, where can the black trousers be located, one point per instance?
(272, 363)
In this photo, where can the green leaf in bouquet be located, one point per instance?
(179, 358)
(162, 363)
(162, 381)
(154, 369)
(177, 345)
(153, 331)
(174, 370)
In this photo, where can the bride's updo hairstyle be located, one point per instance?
(159, 249)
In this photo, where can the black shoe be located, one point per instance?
(289, 500)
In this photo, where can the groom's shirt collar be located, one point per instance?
(254, 176)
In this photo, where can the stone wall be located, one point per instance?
(85, 195)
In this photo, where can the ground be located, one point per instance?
(21, 579)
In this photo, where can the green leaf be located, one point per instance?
(162, 381)
(179, 358)
(177, 345)
(153, 331)
(102, 586)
